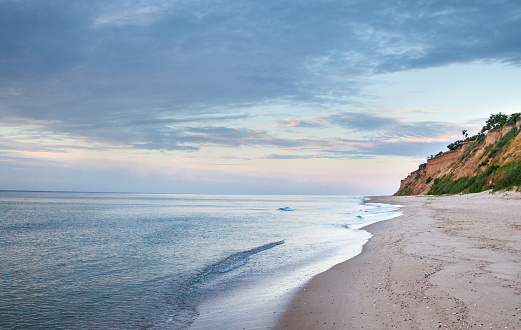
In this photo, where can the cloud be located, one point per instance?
(363, 121)
(366, 133)
(391, 128)
(425, 111)
(277, 156)
(237, 137)
(194, 75)
(299, 123)
(326, 154)
(187, 53)
(405, 148)
(223, 52)
(119, 14)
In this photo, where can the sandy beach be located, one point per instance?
(449, 262)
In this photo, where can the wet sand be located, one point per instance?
(447, 263)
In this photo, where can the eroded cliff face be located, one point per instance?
(420, 181)
(472, 159)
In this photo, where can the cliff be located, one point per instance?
(491, 161)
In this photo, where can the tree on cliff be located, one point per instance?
(455, 145)
(495, 121)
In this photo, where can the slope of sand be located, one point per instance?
(446, 263)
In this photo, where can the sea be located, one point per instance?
(71, 260)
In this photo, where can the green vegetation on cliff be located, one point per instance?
(495, 178)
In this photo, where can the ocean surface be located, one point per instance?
(168, 261)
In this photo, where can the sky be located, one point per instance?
(246, 97)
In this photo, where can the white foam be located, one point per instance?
(270, 279)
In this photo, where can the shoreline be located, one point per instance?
(448, 262)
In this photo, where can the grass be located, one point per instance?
(508, 176)
(495, 178)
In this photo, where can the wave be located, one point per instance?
(237, 259)
(185, 311)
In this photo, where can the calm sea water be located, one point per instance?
(127, 261)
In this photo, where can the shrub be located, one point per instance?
(441, 186)
(475, 188)
(455, 145)
(513, 118)
(495, 122)
(489, 170)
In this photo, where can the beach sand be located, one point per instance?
(447, 263)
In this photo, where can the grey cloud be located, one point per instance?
(363, 121)
(299, 123)
(326, 154)
(386, 148)
(410, 149)
(194, 138)
(170, 121)
(165, 144)
(251, 45)
(124, 72)
(393, 138)
(234, 137)
(39, 39)
(285, 157)
(389, 127)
